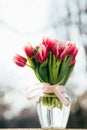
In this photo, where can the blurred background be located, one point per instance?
(23, 21)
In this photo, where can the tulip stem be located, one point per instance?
(29, 66)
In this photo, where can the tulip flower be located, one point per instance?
(73, 60)
(63, 54)
(29, 50)
(48, 43)
(42, 53)
(20, 60)
(75, 52)
(61, 47)
(58, 48)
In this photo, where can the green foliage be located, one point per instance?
(43, 70)
(51, 101)
(52, 71)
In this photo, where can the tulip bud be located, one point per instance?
(70, 48)
(75, 52)
(29, 50)
(41, 53)
(56, 50)
(61, 47)
(20, 60)
(48, 43)
(63, 54)
(73, 60)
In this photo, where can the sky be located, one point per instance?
(29, 21)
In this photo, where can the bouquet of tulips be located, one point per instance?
(52, 61)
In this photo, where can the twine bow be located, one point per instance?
(41, 88)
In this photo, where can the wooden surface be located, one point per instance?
(38, 129)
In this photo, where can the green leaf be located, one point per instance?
(37, 74)
(35, 66)
(31, 63)
(50, 67)
(43, 71)
(55, 69)
(64, 69)
(68, 74)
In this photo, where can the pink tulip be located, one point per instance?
(20, 60)
(41, 54)
(73, 60)
(29, 50)
(70, 49)
(56, 50)
(63, 53)
(61, 47)
(48, 43)
(75, 52)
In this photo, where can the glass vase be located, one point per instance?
(52, 113)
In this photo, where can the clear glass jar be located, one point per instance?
(52, 113)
